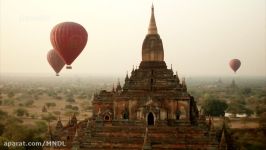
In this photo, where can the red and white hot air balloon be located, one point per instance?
(235, 64)
(55, 61)
(69, 39)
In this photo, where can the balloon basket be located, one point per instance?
(69, 67)
(57, 74)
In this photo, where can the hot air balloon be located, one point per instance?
(68, 39)
(55, 61)
(235, 64)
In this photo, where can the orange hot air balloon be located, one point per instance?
(55, 61)
(69, 39)
(235, 64)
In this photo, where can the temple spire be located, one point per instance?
(113, 89)
(152, 26)
(59, 124)
(127, 75)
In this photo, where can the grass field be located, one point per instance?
(35, 110)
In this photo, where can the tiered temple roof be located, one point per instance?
(152, 110)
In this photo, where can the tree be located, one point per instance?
(41, 127)
(28, 102)
(36, 97)
(3, 114)
(262, 122)
(68, 106)
(246, 91)
(70, 99)
(2, 128)
(214, 107)
(44, 109)
(75, 108)
(13, 129)
(260, 109)
(21, 112)
(238, 108)
(50, 104)
(57, 113)
(9, 102)
(29, 133)
(58, 97)
(49, 117)
(2, 141)
(10, 94)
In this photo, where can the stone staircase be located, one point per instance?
(161, 138)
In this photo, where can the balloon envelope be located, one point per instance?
(55, 61)
(69, 39)
(235, 64)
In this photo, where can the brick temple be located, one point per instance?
(151, 111)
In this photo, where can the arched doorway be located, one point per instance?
(107, 118)
(150, 119)
(125, 115)
(151, 85)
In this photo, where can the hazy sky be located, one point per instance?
(199, 36)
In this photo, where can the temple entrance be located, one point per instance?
(125, 115)
(151, 84)
(150, 119)
(107, 118)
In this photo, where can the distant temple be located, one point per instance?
(151, 111)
